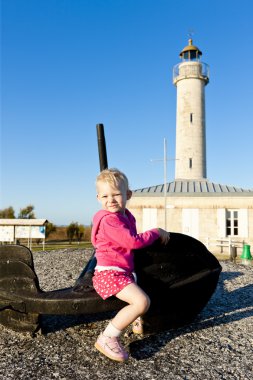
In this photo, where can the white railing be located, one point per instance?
(228, 242)
(191, 68)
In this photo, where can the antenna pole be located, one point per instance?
(165, 182)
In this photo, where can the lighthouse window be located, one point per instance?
(191, 117)
(190, 163)
(190, 55)
(193, 54)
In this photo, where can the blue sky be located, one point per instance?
(70, 64)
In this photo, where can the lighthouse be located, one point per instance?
(190, 77)
(191, 204)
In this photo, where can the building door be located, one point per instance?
(190, 222)
(149, 219)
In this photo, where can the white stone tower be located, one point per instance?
(190, 77)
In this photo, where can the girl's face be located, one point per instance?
(112, 198)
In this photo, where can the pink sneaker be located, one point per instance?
(138, 326)
(111, 347)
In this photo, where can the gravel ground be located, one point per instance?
(217, 345)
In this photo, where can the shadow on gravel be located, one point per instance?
(224, 307)
(53, 323)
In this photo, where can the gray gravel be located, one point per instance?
(217, 345)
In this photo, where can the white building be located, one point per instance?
(27, 230)
(214, 213)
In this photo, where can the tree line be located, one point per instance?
(74, 230)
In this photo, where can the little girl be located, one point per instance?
(115, 237)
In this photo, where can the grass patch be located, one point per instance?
(222, 256)
(61, 245)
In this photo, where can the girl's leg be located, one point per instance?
(138, 303)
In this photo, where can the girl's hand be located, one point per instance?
(164, 236)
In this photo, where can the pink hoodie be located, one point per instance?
(115, 237)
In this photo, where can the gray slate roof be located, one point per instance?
(191, 187)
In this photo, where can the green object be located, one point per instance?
(246, 255)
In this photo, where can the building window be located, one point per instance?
(191, 117)
(190, 163)
(232, 222)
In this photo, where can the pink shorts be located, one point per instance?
(107, 283)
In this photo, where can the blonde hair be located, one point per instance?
(114, 177)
